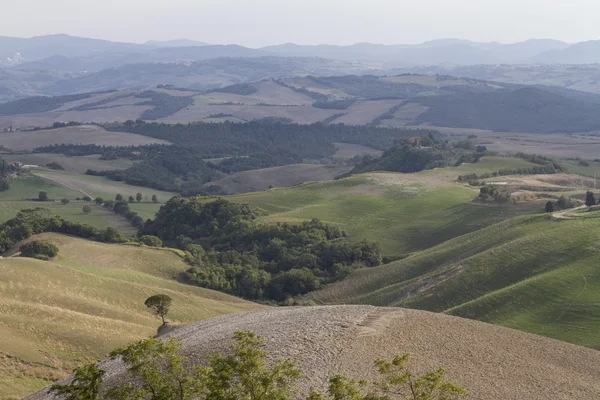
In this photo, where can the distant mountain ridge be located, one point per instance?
(96, 54)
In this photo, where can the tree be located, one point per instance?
(159, 304)
(99, 200)
(154, 198)
(158, 371)
(42, 196)
(590, 200)
(397, 382)
(131, 199)
(65, 201)
(87, 198)
(39, 250)
(150, 240)
(549, 206)
(119, 197)
(85, 385)
(87, 209)
(112, 235)
(139, 197)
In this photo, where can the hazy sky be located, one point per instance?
(262, 22)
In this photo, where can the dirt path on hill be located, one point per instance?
(562, 214)
(62, 183)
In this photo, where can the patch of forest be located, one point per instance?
(38, 104)
(230, 251)
(243, 89)
(526, 109)
(418, 154)
(164, 104)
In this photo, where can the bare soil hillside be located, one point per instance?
(84, 134)
(490, 361)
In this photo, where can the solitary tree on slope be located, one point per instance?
(159, 304)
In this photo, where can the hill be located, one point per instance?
(580, 77)
(83, 134)
(529, 273)
(578, 53)
(490, 361)
(530, 110)
(392, 101)
(434, 52)
(403, 212)
(289, 175)
(89, 300)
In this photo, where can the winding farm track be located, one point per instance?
(67, 185)
(562, 214)
(492, 362)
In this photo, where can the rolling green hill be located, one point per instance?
(530, 273)
(90, 299)
(403, 212)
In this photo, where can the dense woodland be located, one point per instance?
(38, 104)
(232, 252)
(415, 155)
(163, 104)
(530, 110)
(260, 144)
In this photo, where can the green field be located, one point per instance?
(403, 212)
(15, 200)
(529, 273)
(89, 300)
(98, 186)
(61, 185)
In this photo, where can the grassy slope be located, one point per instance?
(529, 273)
(14, 200)
(84, 303)
(404, 212)
(283, 176)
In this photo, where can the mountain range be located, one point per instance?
(41, 52)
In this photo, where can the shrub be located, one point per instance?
(150, 240)
(4, 185)
(40, 250)
(55, 166)
(112, 235)
(86, 209)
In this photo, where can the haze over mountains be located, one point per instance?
(443, 51)
(61, 64)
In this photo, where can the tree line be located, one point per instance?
(181, 168)
(32, 221)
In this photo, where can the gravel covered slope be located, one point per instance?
(490, 361)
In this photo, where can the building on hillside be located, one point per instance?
(522, 196)
(17, 164)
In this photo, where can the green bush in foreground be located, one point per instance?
(39, 250)
(158, 371)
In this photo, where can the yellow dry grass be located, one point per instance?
(57, 314)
